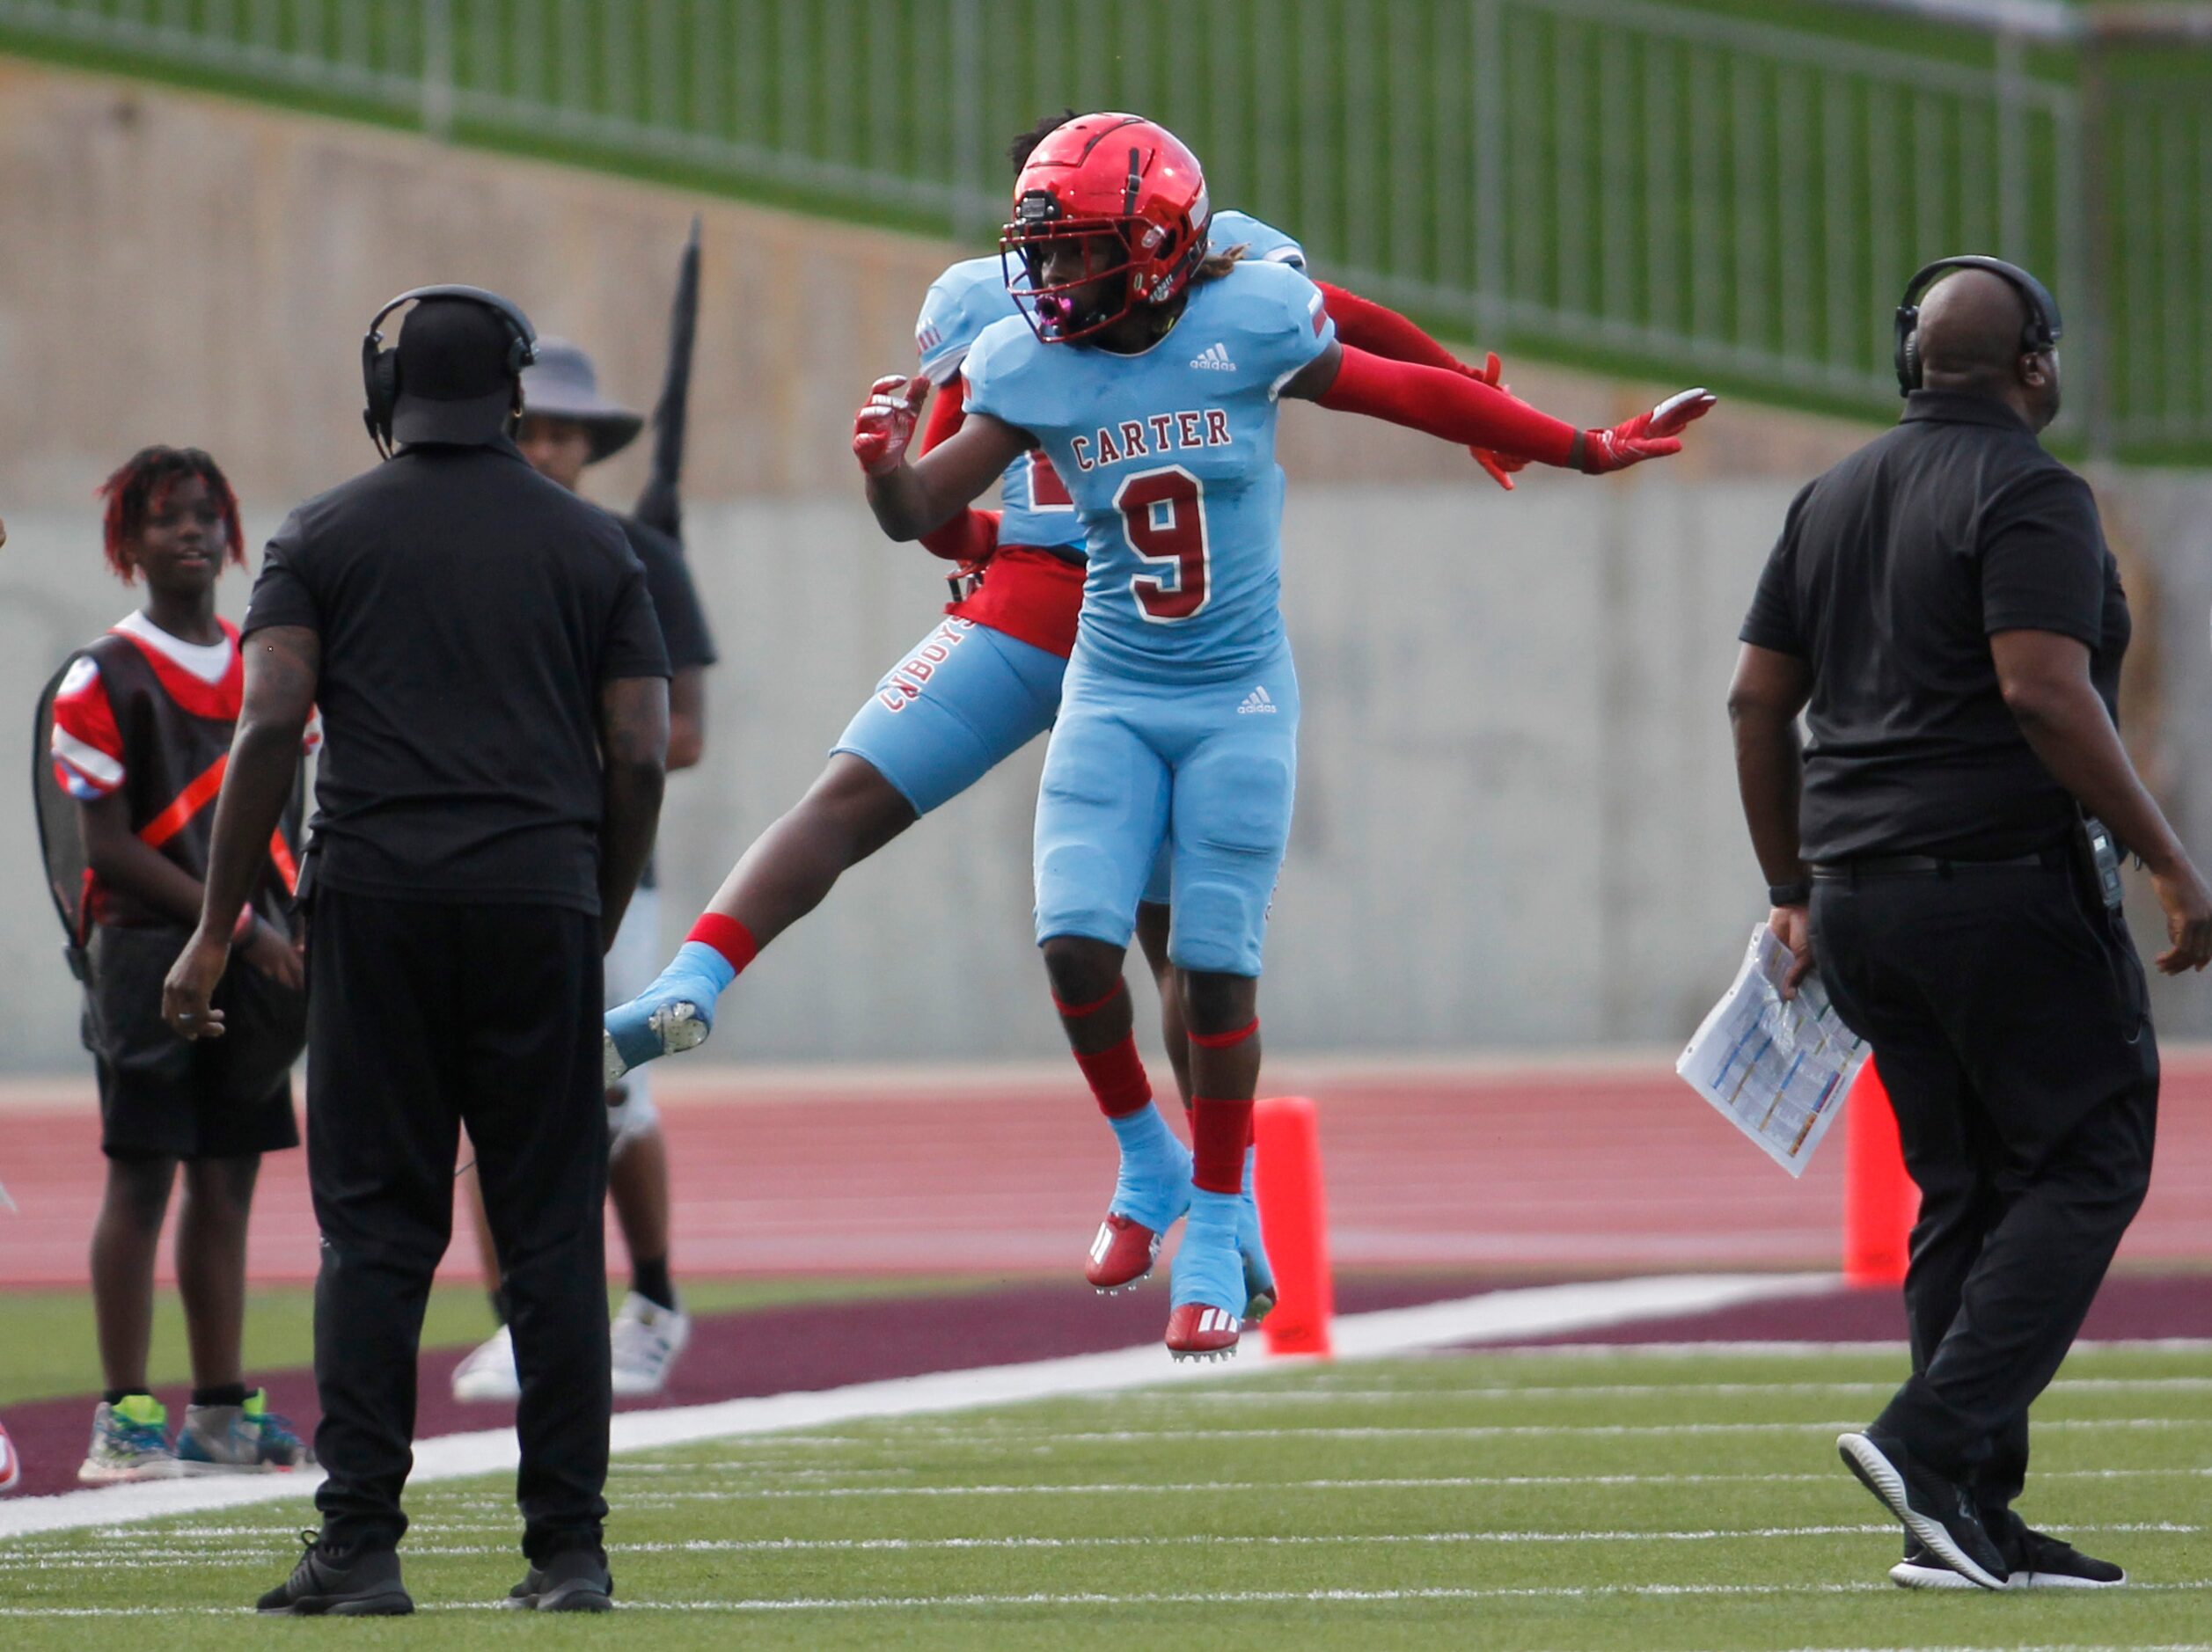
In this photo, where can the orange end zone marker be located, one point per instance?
(1294, 1221)
(1879, 1199)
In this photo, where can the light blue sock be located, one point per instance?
(697, 975)
(1259, 1272)
(1145, 1136)
(1208, 1269)
(1153, 1186)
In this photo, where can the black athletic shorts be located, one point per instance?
(165, 1097)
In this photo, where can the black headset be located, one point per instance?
(2040, 332)
(380, 367)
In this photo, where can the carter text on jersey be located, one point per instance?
(1167, 433)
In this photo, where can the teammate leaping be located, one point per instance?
(980, 686)
(1179, 715)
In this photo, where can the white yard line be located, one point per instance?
(1325, 1395)
(1544, 1311)
(998, 1439)
(106, 1555)
(1087, 1600)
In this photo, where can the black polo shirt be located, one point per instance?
(1893, 570)
(675, 598)
(469, 610)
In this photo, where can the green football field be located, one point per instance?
(1614, 1501)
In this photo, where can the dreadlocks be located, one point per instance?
(1025, 144)
(140, 487)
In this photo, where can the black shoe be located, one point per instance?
(2042, 1562)
(363, 1583)
(575, 1580)
(1939, 1512)
(2038, 1560)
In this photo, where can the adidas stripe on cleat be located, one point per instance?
(1198, 1330)
(1209, 1274)
(1122, 1255)
(1152, 1191)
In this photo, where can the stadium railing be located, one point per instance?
(1724, 189)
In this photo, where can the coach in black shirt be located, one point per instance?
(494, 701)
(1942, 607)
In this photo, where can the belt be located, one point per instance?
(1929, 866)
(1074, 556)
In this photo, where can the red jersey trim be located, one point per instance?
(219, 701)
(1032, 595)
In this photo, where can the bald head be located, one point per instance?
(1970, 326)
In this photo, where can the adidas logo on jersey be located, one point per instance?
(1256, 702)
(1215, 358)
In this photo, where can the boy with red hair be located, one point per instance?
(142, 729)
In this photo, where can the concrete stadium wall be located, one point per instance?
(1516, 822)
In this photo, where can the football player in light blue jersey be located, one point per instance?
(981, 685)
(1150, 374)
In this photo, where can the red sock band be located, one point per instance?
(1116, 1078)
(1223, 1040)
(727, 937)
(1077, 1011)
(1220, 1131)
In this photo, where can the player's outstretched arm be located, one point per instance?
(1364, 324)
(910, 499)
(1467, 412)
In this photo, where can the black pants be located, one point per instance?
(422, 1017)
(2007, 1017)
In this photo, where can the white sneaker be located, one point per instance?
(489, 1372)
(11, 1465)
(647, 1340)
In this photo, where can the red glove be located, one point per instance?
(885, 423)
(1500, 466)
(1650, 435)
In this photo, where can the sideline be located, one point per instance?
(1501, 1315)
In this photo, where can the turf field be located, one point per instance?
(1644, 1499)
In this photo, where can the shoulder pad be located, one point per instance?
(1274, 298)
(1263, 243)
(959, 305)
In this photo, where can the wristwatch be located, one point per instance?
(1789, 894)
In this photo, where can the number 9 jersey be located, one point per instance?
(1170, 456)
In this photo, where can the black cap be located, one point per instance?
(455, 384)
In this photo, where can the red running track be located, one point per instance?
(1595, 1167)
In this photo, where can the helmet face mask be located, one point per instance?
(1101, 291)
(1125, 193)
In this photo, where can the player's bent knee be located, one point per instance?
(1082, 969)
(854, 797)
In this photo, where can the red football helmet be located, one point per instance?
(1118, 176)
